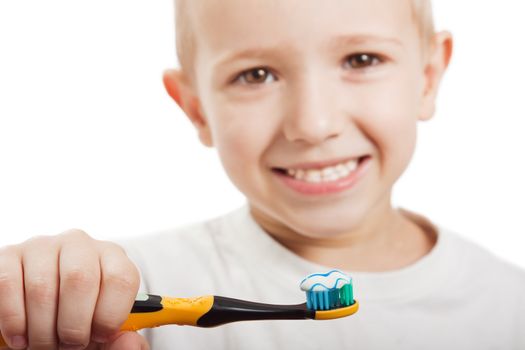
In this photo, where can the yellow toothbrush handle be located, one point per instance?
(154, 313)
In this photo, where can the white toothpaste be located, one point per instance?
(318, 282)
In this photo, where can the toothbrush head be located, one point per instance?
(329, 294)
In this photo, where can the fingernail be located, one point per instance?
(18, 342)
(70, 346)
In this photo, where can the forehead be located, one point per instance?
(223, 27)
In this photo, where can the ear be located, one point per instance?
(183, 93)
(436, 65)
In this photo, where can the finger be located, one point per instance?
(40, 261)
(79, 287)
(12, 308)
(120, 283)
(127, 341)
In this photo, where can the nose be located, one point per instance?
(313, 116)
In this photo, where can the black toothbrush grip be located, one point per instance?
(151, 304)
(226, 310)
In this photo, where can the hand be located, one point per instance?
(67, 289)
(123, 341)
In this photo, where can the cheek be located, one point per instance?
(390, 120)
(241, 135)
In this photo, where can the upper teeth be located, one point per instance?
(329, 173)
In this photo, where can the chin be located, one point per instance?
(326, 223)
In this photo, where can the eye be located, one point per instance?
(363, 60)
(254, 76)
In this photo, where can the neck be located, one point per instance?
(388, 239)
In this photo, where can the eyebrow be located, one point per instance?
(332, 44)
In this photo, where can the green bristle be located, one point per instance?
(346, 295)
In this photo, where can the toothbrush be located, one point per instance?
(323, 303)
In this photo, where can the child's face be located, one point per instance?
(334, 81)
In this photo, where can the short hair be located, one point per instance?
(185, 41)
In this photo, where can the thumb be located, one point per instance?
(127, 341)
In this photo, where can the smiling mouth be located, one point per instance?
(323, 174)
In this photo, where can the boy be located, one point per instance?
(313, 110)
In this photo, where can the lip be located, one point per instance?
(325, 188)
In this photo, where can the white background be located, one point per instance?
(89, 138)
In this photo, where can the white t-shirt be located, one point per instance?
(458, 296)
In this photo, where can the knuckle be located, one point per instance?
(7, 283)
(134, 274)
(106, 325)
(9, 250)
(41, 291)
(107, 322)
(73, 336)
(13, 323)
(122, 281)
(77, 233)
(78, 278)
(42, 343)
(111, 247)
(38, 241)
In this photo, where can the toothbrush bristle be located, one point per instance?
(330, 299)
(327, 291)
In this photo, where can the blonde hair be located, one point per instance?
(422, 14)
